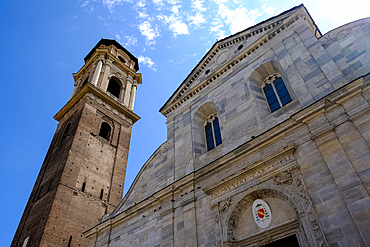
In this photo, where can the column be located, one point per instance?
(126, 99)
(132, 98)
(94, 81)
(104, 81)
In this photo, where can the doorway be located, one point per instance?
(290, 241)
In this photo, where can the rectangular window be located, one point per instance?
(209, 136)
(282, 91)
(271, 97)
(216, 127)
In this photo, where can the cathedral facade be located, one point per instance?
(268, 144)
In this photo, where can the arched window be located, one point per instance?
(66, 131)
(105, 130)
(114, 87)
(275, 91)
(212, 131)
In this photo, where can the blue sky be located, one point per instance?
(44, 42)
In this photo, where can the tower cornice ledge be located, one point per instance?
(89, 88)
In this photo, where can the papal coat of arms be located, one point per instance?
(261, 213)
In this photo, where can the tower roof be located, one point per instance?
(109, 42)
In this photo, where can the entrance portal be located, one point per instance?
(290, 241)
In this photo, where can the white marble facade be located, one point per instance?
(308, 159)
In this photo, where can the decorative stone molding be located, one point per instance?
(293, 191)
(246, 202)
(259, 170)
(280, 26)
(220, 208)
(298, 190)
(283, 178)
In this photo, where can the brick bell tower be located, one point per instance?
(83, 173)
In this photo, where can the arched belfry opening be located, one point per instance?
(114, 87)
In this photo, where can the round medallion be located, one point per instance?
(261, 213)
(222, 57)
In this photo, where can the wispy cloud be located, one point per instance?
(141, 4)
(175, 24)
(149, 32)
(217, 27)
(112, 3)
(127, 41)
(174, 20)
(239, 18)
(148, 62)
(197, 19)
(158, 3)
(143, 15)
(268, 9)
(198, 5)
(85, 4)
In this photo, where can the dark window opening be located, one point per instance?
(240, 47)
(105, 130)
(276, 93)
(216, 128)
(213, 132)
(207, 71)
(83, 187)
(70, 241)
(85, 82)
(114, 88)
(66, 131)
(122, 60)
(101, 194)
(209, 136)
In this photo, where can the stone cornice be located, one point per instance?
(89, 88)
(105, 52)
(275, 28)
(267, 159)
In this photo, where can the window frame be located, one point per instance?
(270, 80)
(210, 121)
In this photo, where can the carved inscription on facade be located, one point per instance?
(249, 176)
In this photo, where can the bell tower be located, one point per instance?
(83, 173)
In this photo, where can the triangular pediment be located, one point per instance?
(229, 51)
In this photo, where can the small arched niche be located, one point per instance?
(105, 130)
(66, 131)
(204, 117)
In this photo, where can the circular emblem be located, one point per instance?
(222, 57)
(261, 213)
